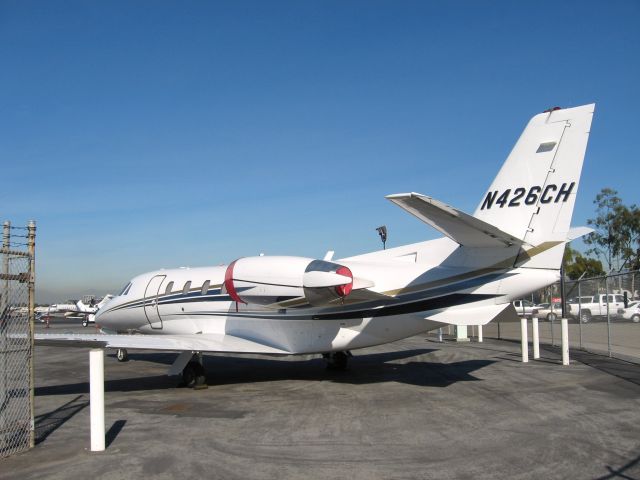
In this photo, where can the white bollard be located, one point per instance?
(96, 398)
(525, 340)
(536, 337)
(479, 333)
(565, 341)
(461, 333)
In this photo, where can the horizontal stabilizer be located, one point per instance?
(578, 232)
(475, 315)
(455, 224)
(197, 343)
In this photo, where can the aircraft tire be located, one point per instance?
(122, 355)
(85, 322)
(337, 361)
(193, 375)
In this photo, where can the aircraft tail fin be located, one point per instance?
(531, 200)
(533, 195)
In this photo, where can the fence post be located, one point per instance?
(580, 312)
(606, 288)
(4, 304)
(6, 242)
(536, 338)
(524, 340)
(31, 246)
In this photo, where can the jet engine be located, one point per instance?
(268, 281)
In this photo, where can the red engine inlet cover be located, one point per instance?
(344, 290)
(228, 283)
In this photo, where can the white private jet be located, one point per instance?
(512, 245)
(77, 309)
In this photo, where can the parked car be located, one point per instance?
(632, 312)
(550, 311)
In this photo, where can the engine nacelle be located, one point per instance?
(268, 281)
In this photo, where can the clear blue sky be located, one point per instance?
(142, 135)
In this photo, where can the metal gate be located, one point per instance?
(16, 338)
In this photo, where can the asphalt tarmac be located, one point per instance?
(413, 409)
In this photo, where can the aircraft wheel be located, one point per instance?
(337, 360)
(635, 318)
(122, 355)
(85, 322)
(193, 375)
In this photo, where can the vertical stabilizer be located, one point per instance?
(533, 196)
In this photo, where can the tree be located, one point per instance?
(576, 265)
(604, 240)
(627, 228)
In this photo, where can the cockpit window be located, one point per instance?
(126, 289)
(186, 288)
(205, 287)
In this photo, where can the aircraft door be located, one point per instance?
(151, 301)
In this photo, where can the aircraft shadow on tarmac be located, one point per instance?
(230, 370)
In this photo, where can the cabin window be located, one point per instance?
(205, 287)
(186, 288)
(167, 290)
(126, 289)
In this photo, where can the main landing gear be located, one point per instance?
(337, 360)
(193, 375)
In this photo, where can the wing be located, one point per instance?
(475, 315)
(197, 343)
(455, 224)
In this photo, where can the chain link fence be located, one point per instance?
(603, 314)
(16, 341)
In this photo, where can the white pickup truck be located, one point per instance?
(596, 306)
(524, 308)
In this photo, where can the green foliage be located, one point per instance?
(602, 239)
(627, 227)
(616, 236)
(576, 265)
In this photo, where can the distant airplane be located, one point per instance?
(512, 245)
(77, 309)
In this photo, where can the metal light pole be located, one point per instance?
(382, 231)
